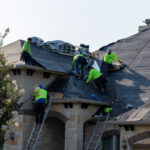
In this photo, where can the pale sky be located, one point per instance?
(93, 22)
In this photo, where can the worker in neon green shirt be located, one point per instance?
(26, 46)
(98, 78)
(26, 54)
(109, 57)
(79, 62)
(41, 97)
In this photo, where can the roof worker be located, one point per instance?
(79, 61)
(108, 58)
(26, 54)
(98, 78)
(41, 99)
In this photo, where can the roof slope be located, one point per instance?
(131, 86)
(50, 60)
(72, 88)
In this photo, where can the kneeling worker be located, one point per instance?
(108, 58)
(41, 97)
(98, 78)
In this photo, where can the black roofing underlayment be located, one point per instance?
(51, 60)
(73, 87)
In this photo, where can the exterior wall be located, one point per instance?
(25, 123)
(52, 136)
(28, 82)
(126, 135)
(63, 129)
(88, 129)
(15, 144)
(66, 128)
(75, 123)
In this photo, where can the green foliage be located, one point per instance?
(9, 93)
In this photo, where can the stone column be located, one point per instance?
(73, 136)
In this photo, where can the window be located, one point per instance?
(111, 143)
(108, 143)
(1, 147)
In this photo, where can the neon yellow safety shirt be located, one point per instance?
(75, 59)
(108, 58)
(26, 47)
(93, 74)
(41, 95)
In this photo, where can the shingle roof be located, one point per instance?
(131, 86)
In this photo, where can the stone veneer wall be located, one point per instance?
(27, 83)
(110, 130)
(140, 135)
(15, 144)
(53, 136)
(71, 130)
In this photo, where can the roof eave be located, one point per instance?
(129, 122)
(24, 66)
(79, 100)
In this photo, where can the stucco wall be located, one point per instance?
(27, 83)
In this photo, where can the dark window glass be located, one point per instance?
(1, 147)
(118, 142)
(108, 143)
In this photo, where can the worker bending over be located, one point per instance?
(79, 61)
(41, 98)
(98, 78)
(26, 54)
(108, 58)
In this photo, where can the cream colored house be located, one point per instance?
(73, 113)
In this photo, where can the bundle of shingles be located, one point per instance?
(62, 47)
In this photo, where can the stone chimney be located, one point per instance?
(147, 26)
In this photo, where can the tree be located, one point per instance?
(9, 92)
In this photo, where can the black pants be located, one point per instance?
(110, 66)
(39, 111)
(101, 82)
(80, 65)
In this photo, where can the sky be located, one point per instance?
(93, 22)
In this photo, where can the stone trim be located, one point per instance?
(110, 133)
(54, 114)
(139, 137)
(58, 115)
(141, 146)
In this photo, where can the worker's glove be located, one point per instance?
(120, 62)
